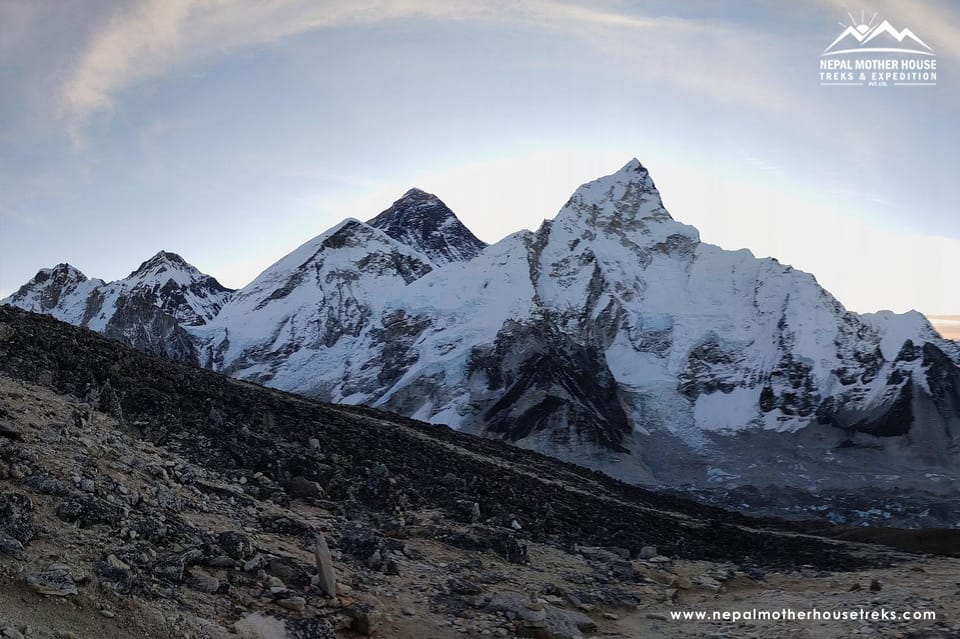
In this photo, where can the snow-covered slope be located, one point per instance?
(299, 324)
(424, 223)
(613, 329)
(612, 337)
(167, 281)
(61, 291)
(148, 309)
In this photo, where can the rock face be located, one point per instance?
(149, 309)
(611, 337)
(177, 288)
(299, 324)
(424, 223)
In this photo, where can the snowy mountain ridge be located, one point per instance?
(149, 309)
(611, 336)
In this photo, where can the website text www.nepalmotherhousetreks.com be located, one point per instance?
(880, 70)
(814, 614)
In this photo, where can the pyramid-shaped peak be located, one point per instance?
(418, 194)
(633, 166)
(161, 262)
(168, 258)
(626, 201)
(629, 191)
(423, 222)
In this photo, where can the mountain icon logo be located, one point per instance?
(861, 36)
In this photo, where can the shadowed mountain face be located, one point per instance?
(611, 337)
(424, 223)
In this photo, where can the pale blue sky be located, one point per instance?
(232, 132)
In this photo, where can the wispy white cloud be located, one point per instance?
(158, 35)
(727, 63)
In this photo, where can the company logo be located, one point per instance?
(875, 53)
(866, 38)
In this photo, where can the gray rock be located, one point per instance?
(236, 545)
(517, 605)
(304, 488)
(254, 563)
(203, 582)
(623, 553)
(567, 623)
(365, 618)
(11, 547)
(648, 552)
(550, 621)
(325, 572)
(47, 485)
(297, 604)
(223, 562)
(598, 554)
(16, 519)
(54, 581)
(10, 432)
(109, 402)
(708, 582)
(291, 572)
(263, 626)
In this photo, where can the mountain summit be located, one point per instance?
(611, 337)
(149, 309)
(424, 223)
(172, 284)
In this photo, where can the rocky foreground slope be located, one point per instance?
(139, 497)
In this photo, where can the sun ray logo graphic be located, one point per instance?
(862, 36)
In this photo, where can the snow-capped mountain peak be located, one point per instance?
(61, 275)
(612, 337)
(624, 207)
(148, 309)
(61, 272)
(319, 299)
(423, 222)
(415, 195)
(49, 288)
(178, 288)
(160, 262)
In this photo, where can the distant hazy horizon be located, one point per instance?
(948, 325)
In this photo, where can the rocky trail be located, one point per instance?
(139, 497)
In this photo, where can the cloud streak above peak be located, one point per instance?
(155, 37)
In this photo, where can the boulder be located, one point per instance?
(54, 581)
(327, 577)
(264, 626)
